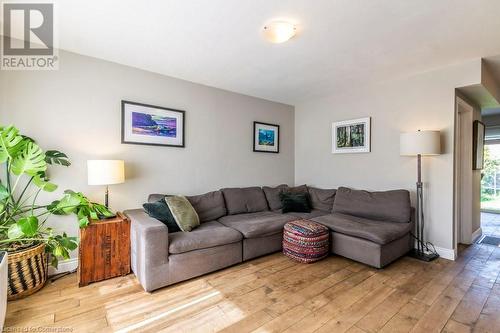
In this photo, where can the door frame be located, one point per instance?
(463, 195)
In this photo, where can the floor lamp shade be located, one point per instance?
(420, 143)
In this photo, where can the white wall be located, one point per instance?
(425, 101)
(77, 110)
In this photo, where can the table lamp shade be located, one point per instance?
(420, 143)
(105, 172)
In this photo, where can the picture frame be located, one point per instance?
(145, 124)
(351, 136)
(478, 135)
(266, 137)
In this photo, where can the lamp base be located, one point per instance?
(424, 256)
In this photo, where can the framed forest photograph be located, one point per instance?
(351, 136)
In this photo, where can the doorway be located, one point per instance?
(490, 191)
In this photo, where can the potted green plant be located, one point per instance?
(23, 230)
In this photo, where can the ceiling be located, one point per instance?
(340, 43)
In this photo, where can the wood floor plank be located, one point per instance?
(456, 327)
(344, 300)
(348, 317)
(469, 309)
(406, 318)
(489, 319)
(438, 314)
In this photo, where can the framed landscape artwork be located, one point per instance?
(478, 145)
(266, 137)
(351, 136)
(152, 125)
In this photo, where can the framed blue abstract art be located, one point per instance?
(266, 137)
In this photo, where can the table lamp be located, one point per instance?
(419, 144)
(105, 172)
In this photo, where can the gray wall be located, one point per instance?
(425, 101)
(77, 110)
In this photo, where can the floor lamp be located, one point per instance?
(419, 144)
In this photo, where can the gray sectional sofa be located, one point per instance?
(239, 224)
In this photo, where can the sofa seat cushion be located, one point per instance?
(258, 224)
(373, 230)
(208, 234)
(307, 216)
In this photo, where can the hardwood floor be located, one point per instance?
(275, 294)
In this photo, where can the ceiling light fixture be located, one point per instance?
(279, 31)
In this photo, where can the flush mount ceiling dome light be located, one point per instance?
(279, 31)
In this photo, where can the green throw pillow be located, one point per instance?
(183, 212)
(295, 202)
(159, 210)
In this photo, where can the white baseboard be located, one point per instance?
(476, 234)
(449, 254)
(64, 266)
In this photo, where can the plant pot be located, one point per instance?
(3, 287)
(28, 270)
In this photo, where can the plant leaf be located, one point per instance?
(61, 251)
(28, 225)
(67, 205)
(11, 143)
(15, 232)
(69, 242)
(54, 261)
(56, 157)
(83, 222)
(4, 193)
(44, 185)
(31, 160)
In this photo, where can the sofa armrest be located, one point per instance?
(149, 249)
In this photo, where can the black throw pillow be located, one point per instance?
(295, 202)
(159, 210)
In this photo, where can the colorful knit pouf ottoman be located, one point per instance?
(305, 241)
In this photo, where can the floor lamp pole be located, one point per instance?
(421, 251)
(419, 208)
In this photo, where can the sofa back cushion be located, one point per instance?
(244, 200)
(391, 206)
(321, 199)
(209, 206)
(155, 197)
(273, 195)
